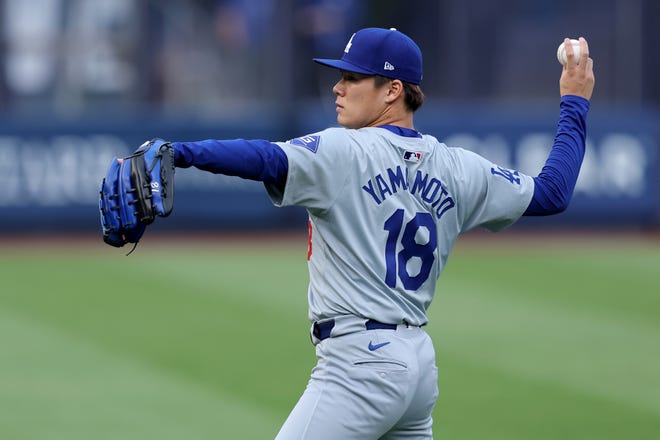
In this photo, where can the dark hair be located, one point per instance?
(413, 92)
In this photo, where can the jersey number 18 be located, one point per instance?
(397, 262)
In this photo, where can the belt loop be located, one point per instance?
(322, 330)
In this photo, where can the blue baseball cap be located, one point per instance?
(385, 52)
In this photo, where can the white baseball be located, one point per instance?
(561, 52)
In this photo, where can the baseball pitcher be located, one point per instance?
(386, 204)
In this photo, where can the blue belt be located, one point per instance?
(322, 329)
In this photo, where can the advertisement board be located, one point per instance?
(50, 170)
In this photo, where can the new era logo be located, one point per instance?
(388, 66)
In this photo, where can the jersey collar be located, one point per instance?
(401, 131)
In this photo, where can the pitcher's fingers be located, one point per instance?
(584, 52)
(590, 66)
(571, 62)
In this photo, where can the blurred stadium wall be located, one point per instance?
(82, 81)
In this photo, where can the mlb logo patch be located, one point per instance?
(412, 156)
(309, 142)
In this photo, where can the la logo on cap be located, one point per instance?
(349, 44)
(377, 51)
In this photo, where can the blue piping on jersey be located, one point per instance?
(401, 131)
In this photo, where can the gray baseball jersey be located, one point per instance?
(384, 211)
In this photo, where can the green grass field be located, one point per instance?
(536, 339)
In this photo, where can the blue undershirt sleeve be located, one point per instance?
(250, 159)
(553, 187)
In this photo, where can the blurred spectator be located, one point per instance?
(320, 27)
(101, 38)
(218, 55)
(243, 29)
(68, 53)
(32, 46)
(244, 24)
